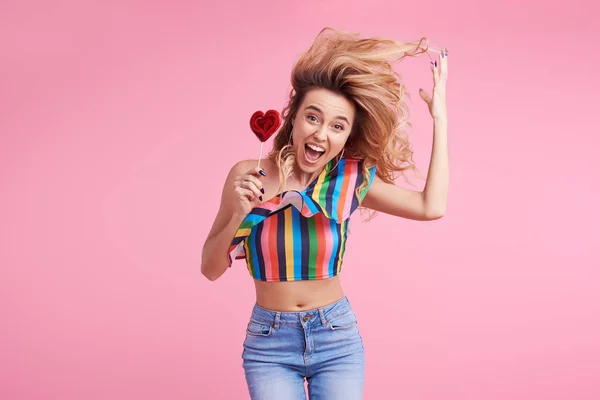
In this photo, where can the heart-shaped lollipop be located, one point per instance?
(264, 125)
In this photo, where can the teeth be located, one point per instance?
(316, 148)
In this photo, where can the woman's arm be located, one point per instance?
(435, 193)
(431, 202)
(427, 205)
(215, 259)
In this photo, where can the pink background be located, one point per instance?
(119, 121)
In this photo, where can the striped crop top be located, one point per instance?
(301, 235)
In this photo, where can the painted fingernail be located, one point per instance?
(262, 172)
(260, 197)
(420, 90)
(435, 64)
(262, 190)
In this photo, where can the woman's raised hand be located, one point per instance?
(437, 101)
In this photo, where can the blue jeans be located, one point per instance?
(322, 346)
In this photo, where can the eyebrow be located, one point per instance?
(321, 111)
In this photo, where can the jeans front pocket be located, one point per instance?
(346, 320)
(256, 328)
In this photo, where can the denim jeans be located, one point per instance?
(323, 346)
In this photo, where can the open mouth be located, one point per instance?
(313, 153)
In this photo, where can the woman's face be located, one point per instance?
(321, 127)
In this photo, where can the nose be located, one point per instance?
(321, 133)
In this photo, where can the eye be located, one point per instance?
(339, 127)
(311, 117)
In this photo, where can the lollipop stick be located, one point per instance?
(260, 154)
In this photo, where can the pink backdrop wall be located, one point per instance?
(119, 121)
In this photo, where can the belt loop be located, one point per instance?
(322, 316)
(277, 318)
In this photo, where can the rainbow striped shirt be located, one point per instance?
(301, 235)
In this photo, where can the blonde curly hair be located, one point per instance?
(360, 70)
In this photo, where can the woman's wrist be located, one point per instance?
(440, 120)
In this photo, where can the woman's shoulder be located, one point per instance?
(243, 166)
(354, 166)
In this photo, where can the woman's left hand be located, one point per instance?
(437, 102)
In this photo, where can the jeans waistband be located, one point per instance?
(292, 318)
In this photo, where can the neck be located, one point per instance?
(304, 178)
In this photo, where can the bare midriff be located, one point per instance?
(297, 296)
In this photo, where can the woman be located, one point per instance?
(342, 141)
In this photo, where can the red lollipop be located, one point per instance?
(264, 125)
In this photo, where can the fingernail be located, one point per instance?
(262, 172)
(262, 190)
(420, 90)
(436, 63)
(260, 197)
